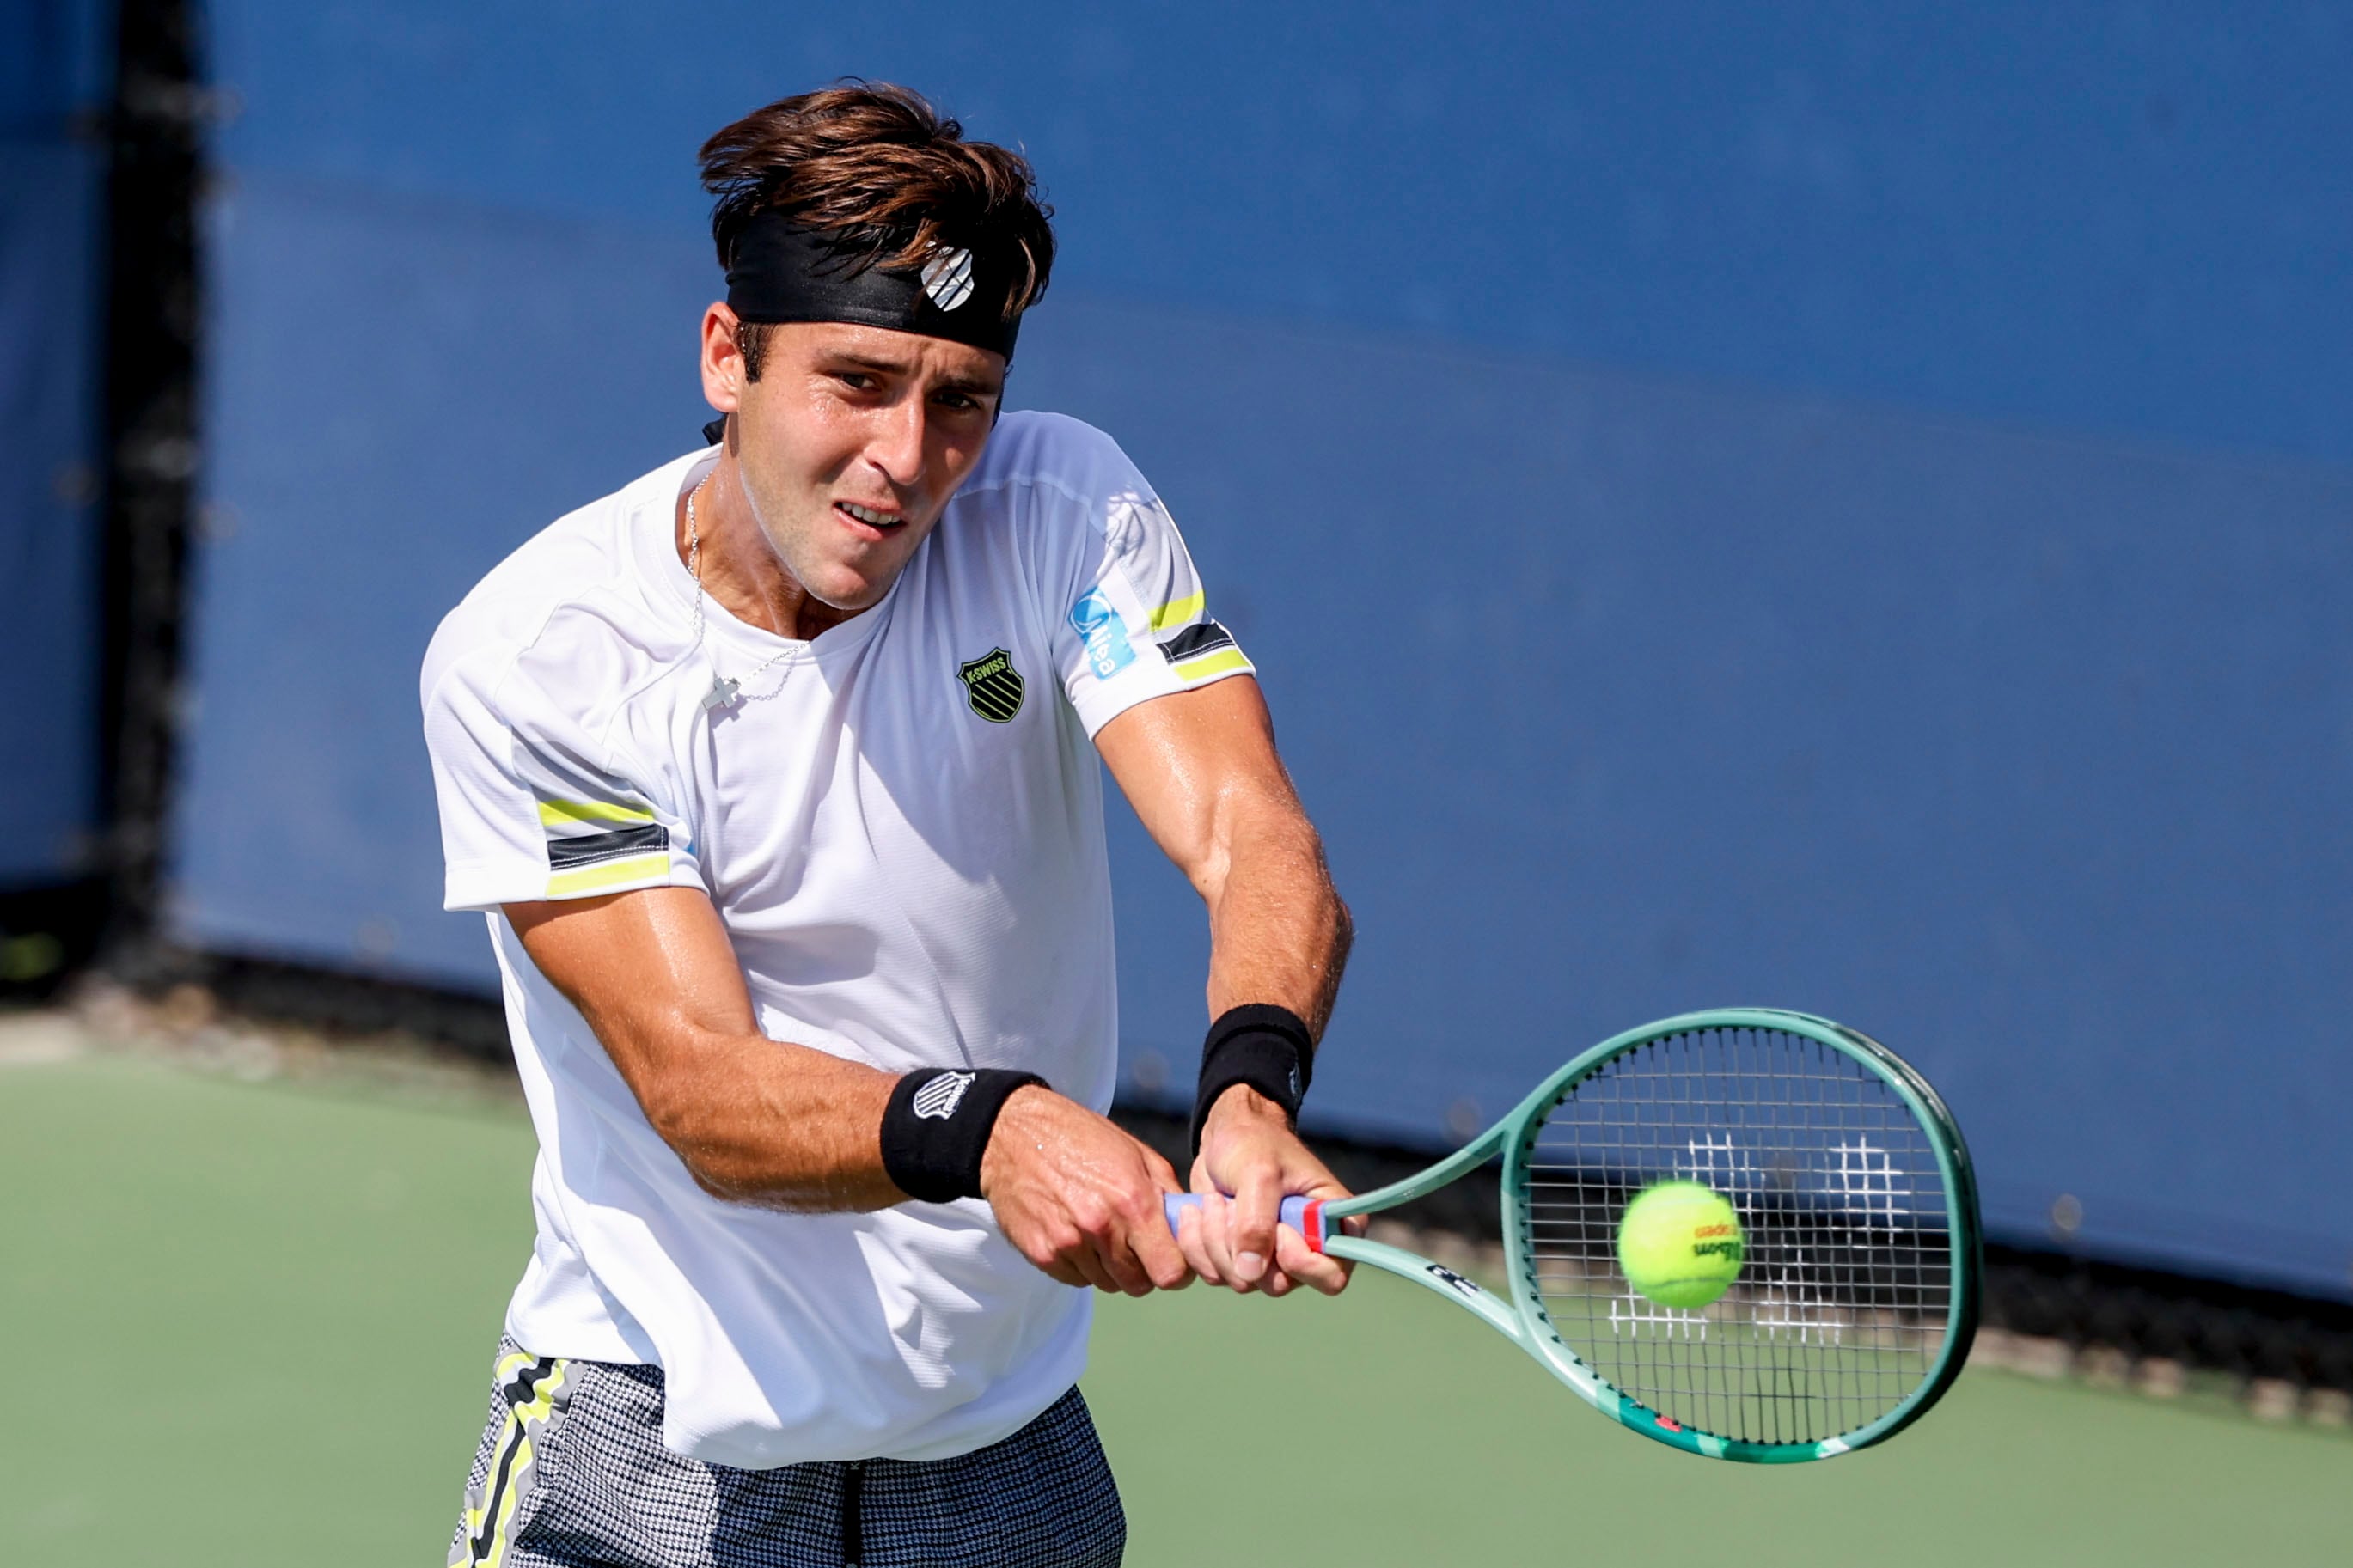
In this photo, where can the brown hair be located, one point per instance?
(882, 167)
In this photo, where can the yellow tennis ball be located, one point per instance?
(1680, 1244)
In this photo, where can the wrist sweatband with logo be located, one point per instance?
(936, 1127)
(1265, 1046)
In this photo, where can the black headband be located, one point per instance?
(784, 273)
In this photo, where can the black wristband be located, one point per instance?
(937, 1127)
(1264, 1047)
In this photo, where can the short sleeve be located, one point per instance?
(1132, 620)
(534, 807)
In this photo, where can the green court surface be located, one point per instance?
(251, 1324)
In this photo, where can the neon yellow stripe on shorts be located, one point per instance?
(642, 869)
(485, 1539)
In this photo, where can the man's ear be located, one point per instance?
(723, 358)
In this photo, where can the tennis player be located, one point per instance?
(775, 773)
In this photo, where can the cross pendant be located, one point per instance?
(721, 695)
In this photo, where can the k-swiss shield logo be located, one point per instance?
(937, 1100)
(992, 686)
(947, 277)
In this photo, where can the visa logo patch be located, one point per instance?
(1104, 634)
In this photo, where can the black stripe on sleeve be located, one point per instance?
(586, 849)
(1195, 641)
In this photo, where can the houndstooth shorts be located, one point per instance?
(572, 1472)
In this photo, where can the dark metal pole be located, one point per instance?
(154, 315)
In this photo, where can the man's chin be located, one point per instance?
(848, 592)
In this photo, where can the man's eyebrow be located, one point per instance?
(971, 383)
(868, 362)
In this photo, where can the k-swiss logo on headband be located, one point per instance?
(992, 686)
(947, 277)
(938, 1099)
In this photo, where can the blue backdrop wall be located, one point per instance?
(52, 58)
(1850, 517)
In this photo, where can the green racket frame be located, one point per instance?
(1520, 1316)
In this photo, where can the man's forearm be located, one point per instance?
(786, 1127)
(758, 1120)
(755, 1120)
(1278, 930)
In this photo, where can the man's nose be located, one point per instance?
(896, 443)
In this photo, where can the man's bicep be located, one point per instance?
(1187, 762)
(649, 969)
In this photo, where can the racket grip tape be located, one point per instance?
(1304, 1216)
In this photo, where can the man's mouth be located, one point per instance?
(872, 516)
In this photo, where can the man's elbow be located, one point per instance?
(771, 1176)
(714, 1168)
(683, 1122)
(727, 1175)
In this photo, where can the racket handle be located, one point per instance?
(1304, 1216)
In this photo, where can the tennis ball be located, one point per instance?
(1680, 1244)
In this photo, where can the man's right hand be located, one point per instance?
(1082, 1199)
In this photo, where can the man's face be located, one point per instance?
(851, 441)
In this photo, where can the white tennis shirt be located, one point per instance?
(900, 823)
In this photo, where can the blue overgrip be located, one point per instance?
(1304, 1216)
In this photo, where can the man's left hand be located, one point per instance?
(1249, 1154)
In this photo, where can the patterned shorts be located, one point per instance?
(572, 1472)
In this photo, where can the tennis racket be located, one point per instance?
(1857, 1294)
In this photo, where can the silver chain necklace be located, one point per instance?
(723, 688)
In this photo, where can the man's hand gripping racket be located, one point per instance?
(1800, 1276)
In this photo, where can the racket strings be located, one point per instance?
(1844, 1293)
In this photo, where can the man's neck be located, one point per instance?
(738, 571)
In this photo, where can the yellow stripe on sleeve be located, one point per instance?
(648, 869)
(1176, 612)
(1217, 663)
(566, 812)
(559, 813)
